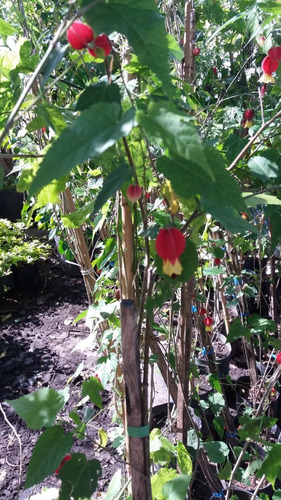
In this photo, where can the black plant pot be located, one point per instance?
(26, 276)
(222, 363)
(7, 283)
(241, 494)
(11, 203)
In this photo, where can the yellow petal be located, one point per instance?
(248, 124)
(209, 328)
(265, 78)
(170, 269)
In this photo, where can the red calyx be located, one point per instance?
(217, 261)
(275, 53)
(133, 193)
(170, 243)
(65, 459)
(249, 114)
(202, 311)
(101, 42)
(208, 321)
(79, 35)
(268, 65)
(196, 51)
(278, 358)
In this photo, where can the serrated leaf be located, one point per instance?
(76, 219)
(100, 92)
(225, 472)
(260, 199)
(113, 182)
(176, 488)
(217, 451)
(92, 388)
(237, 331)
(158, 480)
(7, 29)
(50, 449)
(271, 465)
(141, 23)
(184, 459)
(98, 128)
(167, 126)
(263, 168)
(39, 409)
(79, 477)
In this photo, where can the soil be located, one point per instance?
(37, 337)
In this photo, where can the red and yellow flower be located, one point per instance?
(268, 67)
(170, 245)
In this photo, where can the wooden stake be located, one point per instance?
(137, 425)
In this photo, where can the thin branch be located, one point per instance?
(20, 448)
(252, 140)
(9, 155)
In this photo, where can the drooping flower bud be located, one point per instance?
(170, 244)
(263, 90)
(79, 35)
(248, 117)
(268, 66)
(133, 193)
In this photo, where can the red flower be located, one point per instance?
(103, 44)
(97, 377)
(170, 244)
(263, 89)
(261, 41)
(208, 321)
(248, 117)
(196, 51)
(217, 261)
(214, 70)
(278, 358)
(133, 193)
(202, 311)
(275, 53)
(268, 66)
(244, 216)
(79, 35)
(65, 459)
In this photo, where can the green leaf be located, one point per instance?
(115, 486)
(100, 92)
(76, 219)
(7, 29)
(167, 126)
(79, 477)
(141, 23)
(260, 199)
(50, 449)
(50, 193)
(39, 409)
(237, 331)
(184, 459)
(217, 451)
(225, 472)
(92, 388)
(189, 261)
(261, 325)
(176, 488)
(216, 402)
(52, 61)
(271, 465)
(175, 52)
(158, 480)
(113, 182)
(263, 169)
(98, 128)
(219, 423)
(213, 271)
(252, 427)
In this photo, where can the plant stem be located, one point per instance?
(228, 491)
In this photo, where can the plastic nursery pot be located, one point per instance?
(222, 351)
(243, 389)
(26, 276)
(11, 203)
(6, 283)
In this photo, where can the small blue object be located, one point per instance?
(231, 434)
(204, 352)
(194, 309)
(245, 314)
(218, 495)
(237, 281)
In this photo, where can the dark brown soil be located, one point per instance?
(36, 341)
